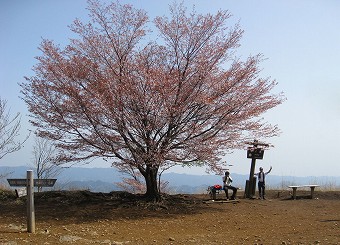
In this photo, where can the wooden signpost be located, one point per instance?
(36, 182)
(256, 151)
(29, 182)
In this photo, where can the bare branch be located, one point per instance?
(9, 130)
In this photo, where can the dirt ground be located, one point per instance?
(82, 217)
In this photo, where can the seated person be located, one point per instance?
(227, 185)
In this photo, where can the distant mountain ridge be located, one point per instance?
(105, 179)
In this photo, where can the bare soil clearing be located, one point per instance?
(82, 217)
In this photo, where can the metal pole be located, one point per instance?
(30, 202)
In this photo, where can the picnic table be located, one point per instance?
(295, 187)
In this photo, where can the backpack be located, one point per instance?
(217, 187)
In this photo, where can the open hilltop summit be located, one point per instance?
(83, 217)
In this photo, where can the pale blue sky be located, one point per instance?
(300, 39)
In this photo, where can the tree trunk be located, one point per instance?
(152, 192)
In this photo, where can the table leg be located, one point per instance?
(294, 192)
(312, 191)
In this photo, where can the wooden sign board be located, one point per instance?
(37, 182)
(44, 182)
(256, 153)
(20, 192)
(17, 182)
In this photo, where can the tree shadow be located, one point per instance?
(85, 206)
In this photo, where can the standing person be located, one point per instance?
(261, 181)
(227, 185)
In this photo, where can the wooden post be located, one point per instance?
(254, 153)
(30, 202)
(251, 177)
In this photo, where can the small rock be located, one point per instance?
(116, 243)
(106, 242)
(68, 238)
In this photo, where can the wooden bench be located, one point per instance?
(295, 187)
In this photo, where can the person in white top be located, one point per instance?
(227, 185)
(261, 181)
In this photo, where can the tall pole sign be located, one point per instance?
(29, 182)
(255, 151)
(30, 203)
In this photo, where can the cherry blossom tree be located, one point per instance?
(184, 98)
